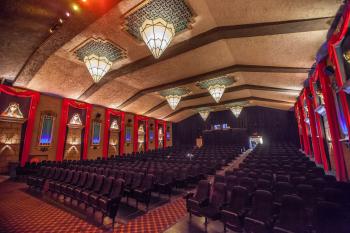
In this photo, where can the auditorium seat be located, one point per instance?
(291, 217)
(104, 192)
(143, 193)
(109, 205)
(260, 219)
(201, 198)
(328, 217)
(94, 189)
(217, 201)
(234, 211)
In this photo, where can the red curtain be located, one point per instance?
(66, 103)
(296, 111)
(321, 136)
(138, 118)
(35, 98)
(333, 42)
(332, 120)
(315, 145)
(307, 149)
(108, 114)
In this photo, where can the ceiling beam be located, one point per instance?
(227, 102)
(228, 90)
(212, 74)
(215, 34)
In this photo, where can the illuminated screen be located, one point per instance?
(128, 134)
(46, 130)
(96, 139)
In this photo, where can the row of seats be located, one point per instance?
(88, 182)
(284, 198)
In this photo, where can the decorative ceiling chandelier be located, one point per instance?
(98, 56)
(174, 95)
(157, 34)
(204, 113)
(216, 86)
(236, 110)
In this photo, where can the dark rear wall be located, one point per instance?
(274, 125)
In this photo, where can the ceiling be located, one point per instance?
(268, 46)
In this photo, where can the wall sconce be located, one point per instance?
(346, 55)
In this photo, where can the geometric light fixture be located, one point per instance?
(157, 35)
(98, 56)
(204, 113)
(174, 95)
(216, 86)
(156, 22)
(236, 110)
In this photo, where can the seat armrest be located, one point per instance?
(188, 195)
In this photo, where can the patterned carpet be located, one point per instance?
(23, 213)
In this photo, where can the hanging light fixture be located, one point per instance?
(157, 34)
(236, 110)
(98, 56)
(173, 100)
(216, 86)
(174, 95)
(204, 113)
(97, 66)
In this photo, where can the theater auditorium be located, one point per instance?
(174, 116)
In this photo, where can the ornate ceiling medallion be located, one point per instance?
(98, 56)
(157, 21)
(204, 113)
(216, 86)
(173, 95)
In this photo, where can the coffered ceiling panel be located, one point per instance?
(288, 50)
(236, 12)
(61, 77)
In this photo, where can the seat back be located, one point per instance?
(83, 179)
(203, 190)
(328, 218)
(137, 180)
(148, 182)
(218, 197)
(239, 198)
(263, 184)
(117, 188)
(69, 176)
(307, 193)
(248, 183)
(292, 212)
(262, 205)
(281, 189)
(128, 178)
(98, 183)
(107, 185)
(76, 178)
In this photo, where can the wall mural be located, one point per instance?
(141, 138)
(73, 141)
(114, 138)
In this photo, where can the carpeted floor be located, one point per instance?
(23, 213)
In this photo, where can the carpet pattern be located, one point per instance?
(21, 212)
